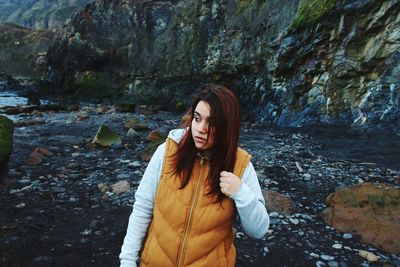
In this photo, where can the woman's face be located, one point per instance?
(200, 130)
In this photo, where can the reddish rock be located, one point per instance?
(37, 156)
(371, 211)
(278, 202)
(135, 124)
(155, 136)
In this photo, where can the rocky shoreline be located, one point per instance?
(53, 213)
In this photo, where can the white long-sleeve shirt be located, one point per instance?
(248, 199)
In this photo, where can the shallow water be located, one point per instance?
(337, 143)
(11, 99)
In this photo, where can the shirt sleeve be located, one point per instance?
(142, 211)
(250, 204)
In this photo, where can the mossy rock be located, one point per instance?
(106, 137)
(89, 85)
(6, 140)
(311, 11)
(369, 210)
(243, 5)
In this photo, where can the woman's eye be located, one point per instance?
(197, 119)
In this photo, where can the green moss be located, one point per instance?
(89, 85)
(310, 11)
(106, 137)
(244, 5)
(350, 199)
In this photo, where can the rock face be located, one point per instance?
(39, 14)
(369, 210)
(23, 51)
(6, 140)
(292, 63)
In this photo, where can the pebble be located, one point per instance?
(327, 258)
(315, 255)
(337, 246)
(294, 221)
(136, 164)
(86, 232)
(333, 264)
(347, 236)
(274, 214)
(24, 181)
(20, 205)
(58, 189)
(123, 176)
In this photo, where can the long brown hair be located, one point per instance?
(225, 124)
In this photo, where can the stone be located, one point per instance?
(37, 156)
(155, 136)
(327, 258)
(372, 211)
(103, 187)
(20, 205)
(106, 137)
(132, 133)
(123, 176)
(371, 257)
(347, 236)
(135, 124)
(275, 201)
(120, 187)
(337, 246)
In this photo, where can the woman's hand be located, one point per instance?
(229, 183)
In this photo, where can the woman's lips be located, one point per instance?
(200, 140)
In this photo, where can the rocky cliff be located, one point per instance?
(292, 63)
(23, 51)
(39, 14)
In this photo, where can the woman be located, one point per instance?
(193, 188)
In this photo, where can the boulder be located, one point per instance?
(371, 211)
(6, 140)
(135, 124)
(278, 202)
(106, 137)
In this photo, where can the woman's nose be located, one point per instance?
(203, 127)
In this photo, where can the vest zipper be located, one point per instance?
(182, 249)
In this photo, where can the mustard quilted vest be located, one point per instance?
(190, 228)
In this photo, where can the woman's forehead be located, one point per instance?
(203, 109)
